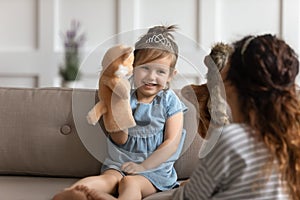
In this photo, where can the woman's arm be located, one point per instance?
(200, 186)
(172, 136)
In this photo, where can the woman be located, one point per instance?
(258, 155)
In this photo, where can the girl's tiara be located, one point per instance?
(159, 39)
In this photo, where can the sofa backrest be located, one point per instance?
(44, 132)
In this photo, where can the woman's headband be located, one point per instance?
(246, 44)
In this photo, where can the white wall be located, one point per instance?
(31, 50)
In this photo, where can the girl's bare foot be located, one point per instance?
(71, 194)
(101, 195)
(92, 194)
(85, 190)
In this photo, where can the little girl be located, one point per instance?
(143, 165)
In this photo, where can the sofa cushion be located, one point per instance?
(38, 134)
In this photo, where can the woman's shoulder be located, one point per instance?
(234, 132)
(225, 137)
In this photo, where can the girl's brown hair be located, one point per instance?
(263, 69)
(157, 43)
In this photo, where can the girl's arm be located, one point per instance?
(172, 136)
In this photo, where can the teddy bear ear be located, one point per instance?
(127, 52)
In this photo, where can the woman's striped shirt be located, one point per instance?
(234, 169)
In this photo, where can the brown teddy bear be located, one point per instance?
(208, 98)
(114, 91)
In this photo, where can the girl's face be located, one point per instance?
(152, 77)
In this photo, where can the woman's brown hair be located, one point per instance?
(263, 69)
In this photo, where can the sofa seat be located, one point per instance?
(31, 187)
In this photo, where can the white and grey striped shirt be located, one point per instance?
(235, 169)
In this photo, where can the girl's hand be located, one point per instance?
(132, 168)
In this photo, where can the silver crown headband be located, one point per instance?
(246, 44)
(160, 39)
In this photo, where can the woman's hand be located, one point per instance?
(132, 168)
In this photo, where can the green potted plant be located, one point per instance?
(70, 71)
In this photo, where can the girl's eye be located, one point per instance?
(162, 72)
(145, 67)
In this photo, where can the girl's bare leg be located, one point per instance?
(136, 187)
(105, 183)
(71, 194)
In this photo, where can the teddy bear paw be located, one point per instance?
(92, 118)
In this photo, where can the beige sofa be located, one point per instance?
(46, 143)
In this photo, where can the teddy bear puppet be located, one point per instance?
(114, 91)
(208, 98)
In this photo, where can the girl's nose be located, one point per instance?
(151, 75)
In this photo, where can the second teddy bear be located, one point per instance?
(208, 98)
